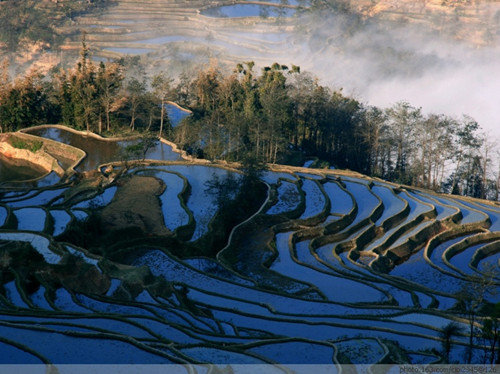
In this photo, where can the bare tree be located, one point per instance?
(472, 297)
(446, 334)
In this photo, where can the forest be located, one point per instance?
(279, 114)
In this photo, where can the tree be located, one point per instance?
(252, 119)
(135, 94)
(231, 114)
(349, 148)
(446, 334)
(276, 110)
(403, 120)
(84, 89)
(138, 150)
(466, 145)
(183, 92)
(435, 144)
(488, 147)
(162, 89)
(207, 106)
(491, 333)
(301, 87)
(471, 297)
(252, 168)
(109, 81)
(373, 135)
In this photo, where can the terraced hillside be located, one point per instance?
(188, 32)
(334, 268)
(181, 33)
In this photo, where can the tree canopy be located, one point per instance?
(271, 115)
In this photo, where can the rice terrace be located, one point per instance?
(171, 195)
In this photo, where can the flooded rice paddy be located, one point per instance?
(349, 272)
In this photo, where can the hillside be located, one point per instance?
(217, 254)
(179, 33)
(334, 267)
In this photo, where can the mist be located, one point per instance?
(383, 62)
(470, 89)
(376, 60)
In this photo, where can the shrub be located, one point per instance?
(36, 146)
(19, 144)
(32, 146)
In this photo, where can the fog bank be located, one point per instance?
(381, 63)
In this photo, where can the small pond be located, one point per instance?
(129, 51)
(175, 114)
(17, 170)
(289, 2)
(100, 151)
(248, 10)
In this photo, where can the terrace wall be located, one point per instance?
(39, 158)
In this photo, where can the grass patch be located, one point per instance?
(32, 146)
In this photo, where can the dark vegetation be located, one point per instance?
(237, 199)
(278, 115)
(24, 258)
(19, 261)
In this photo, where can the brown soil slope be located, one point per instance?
(136, 205)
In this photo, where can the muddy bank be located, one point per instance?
(39, 153)
(136, 205)
(18, 170)
(101, 150)
(18, 148)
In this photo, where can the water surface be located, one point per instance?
(248, 10)
(101, 151)
(18, 170)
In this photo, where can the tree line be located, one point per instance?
(271, 115)
(282, 109)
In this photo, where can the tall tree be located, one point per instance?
(83, 84)
(403, 119)
(252, 119)
(373, 134)
(276, 109)
(231, 107)
(135, 91)
(301, 87)
(466, 145)
(162, 85)
(433, 141)
(488, 146)
(109, 81)
(446, 334)
(207, 105)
